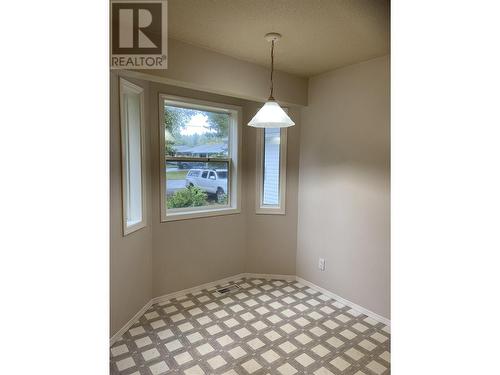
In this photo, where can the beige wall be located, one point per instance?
(191, 252)
(271, 240)
(341, 211)
(167, 257)
(344, 202)
(201, 69)
(130, 256)
(187, 253)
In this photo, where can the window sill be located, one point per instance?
(134, 227)
(270, 211)
(200, 214)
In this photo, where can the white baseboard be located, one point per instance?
(197, 288)
(226, 280)
(129, 324)
(167, 297)
(270, 276)
(346, 302)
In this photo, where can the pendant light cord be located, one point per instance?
(272, 69)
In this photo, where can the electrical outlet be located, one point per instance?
(321, 264)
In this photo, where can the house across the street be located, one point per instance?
(203, 151)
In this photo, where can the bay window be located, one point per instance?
(200, 163)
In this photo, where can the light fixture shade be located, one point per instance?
(271, 115)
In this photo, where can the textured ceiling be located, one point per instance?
(318, 35)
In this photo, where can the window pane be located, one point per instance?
(271, 194)
(197, 184)
(133, 174)
(196, 133)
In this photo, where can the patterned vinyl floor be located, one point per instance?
(264, 327)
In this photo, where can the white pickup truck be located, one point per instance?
(213, 181)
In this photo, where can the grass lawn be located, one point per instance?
(177, 175)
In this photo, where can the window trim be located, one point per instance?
(130, 87)
(260, 208)
(235, 167)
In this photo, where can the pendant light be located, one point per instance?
(271, 115)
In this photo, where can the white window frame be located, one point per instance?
(234, 159)
(260, 207)
(126, 86)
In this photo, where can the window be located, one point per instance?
(271, 170)
(132, 135)
(199, 148)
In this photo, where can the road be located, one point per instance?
(174, 185)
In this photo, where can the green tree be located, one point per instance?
(177, 118)
(218, 123)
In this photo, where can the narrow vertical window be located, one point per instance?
(271, 167)
(132, 134)
(271, 170)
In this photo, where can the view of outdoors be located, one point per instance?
(271, 180)
(196, 134)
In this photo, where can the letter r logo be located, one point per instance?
(136, 28)
(138, 31)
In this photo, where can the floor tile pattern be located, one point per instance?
(271, 327)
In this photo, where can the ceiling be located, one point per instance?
(318, 35)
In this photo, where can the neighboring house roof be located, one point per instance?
(215, 148)
(182, 148)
